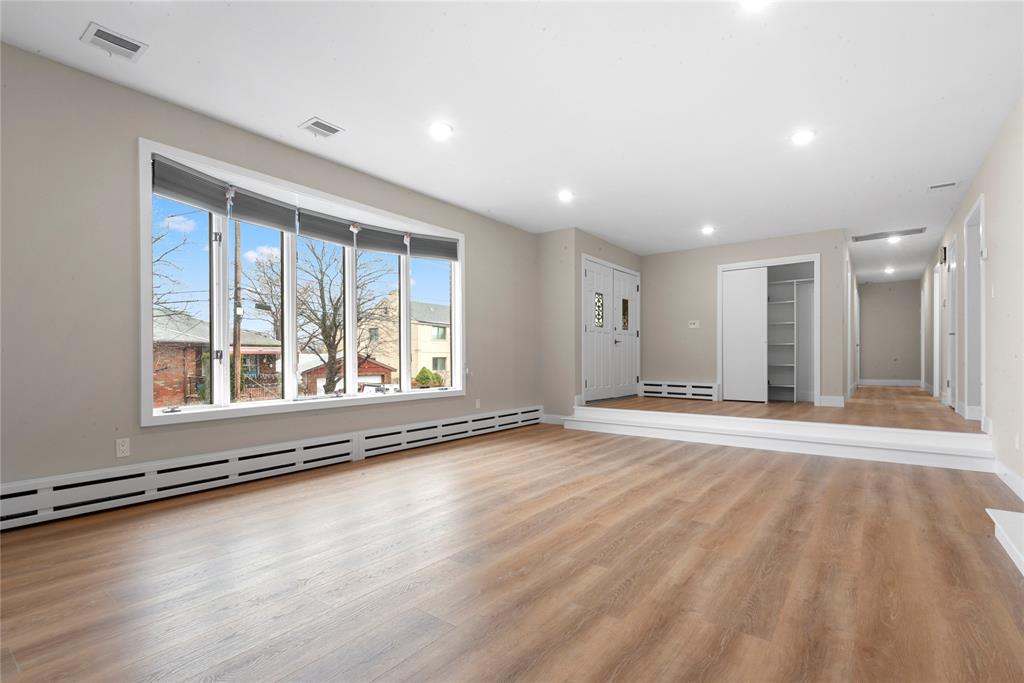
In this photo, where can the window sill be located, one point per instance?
(206, 413)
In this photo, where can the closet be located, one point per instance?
(767, 333)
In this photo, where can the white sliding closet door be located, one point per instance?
(745, 334)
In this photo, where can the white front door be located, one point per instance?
(745, 334)
(626, 335)
(610, 337)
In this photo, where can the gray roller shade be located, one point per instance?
(323, 227)
(434, 247)
(183, 184)
(380, 239)
(250, 207)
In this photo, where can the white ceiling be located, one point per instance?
(661, 117)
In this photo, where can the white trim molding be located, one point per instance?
(554, 419)
(1013, 481)
(973, 413)
(830, 401)
(891, 383)
(1009, 531)
(882, 444)
(47, 498)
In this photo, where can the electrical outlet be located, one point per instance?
(694, 324)
(124, 448)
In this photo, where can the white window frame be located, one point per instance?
(315, 200)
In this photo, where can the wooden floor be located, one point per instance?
(536, 554)
(873, 406)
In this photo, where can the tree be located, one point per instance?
(169, 299)
(320, 302)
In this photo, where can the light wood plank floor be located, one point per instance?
(537, 554)
(904, 407)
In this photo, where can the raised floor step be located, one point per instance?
(884, 444)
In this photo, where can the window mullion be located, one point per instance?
(219, 307)
(457, 339)
(289, 345)
(405, 321)
(351, 315)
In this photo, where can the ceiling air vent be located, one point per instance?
(113, 43)
(943, 186)
(886, 235)
(321, 128)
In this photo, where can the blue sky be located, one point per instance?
(189, 264)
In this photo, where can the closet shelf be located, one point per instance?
(782, 365)
(791, 282)
(791, 301)
(791, 322)
(782, 386)
(781, 343)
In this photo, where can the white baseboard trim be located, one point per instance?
(928, 387)
(908, 446)
(553, 419)
(960, 409)
(986, 424)
(973, 413)
(891, 382)
(831, 401)
(39, 500)
(1013, 481)
(1009, 531)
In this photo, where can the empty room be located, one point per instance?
(492, 341)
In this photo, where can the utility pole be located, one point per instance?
(236, 345)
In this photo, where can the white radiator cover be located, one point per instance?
(39, 500)
(707, 391)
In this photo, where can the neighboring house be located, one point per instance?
(313, 373)
(430, 338)
(181, 346)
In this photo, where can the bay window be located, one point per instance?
(262, 296)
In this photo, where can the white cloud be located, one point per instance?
(179, 224)
(263, 252)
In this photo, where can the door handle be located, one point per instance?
(618, 341)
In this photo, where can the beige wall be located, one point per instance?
(890, 330)
(681, 286)
(1000, 181)
(70, 269)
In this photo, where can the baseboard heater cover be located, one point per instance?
(48, 498)
(706, 391)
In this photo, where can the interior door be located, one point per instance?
(626, 338)
(598, 331)
(952, 324)
(745, 335)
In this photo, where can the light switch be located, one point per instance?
(694, 324)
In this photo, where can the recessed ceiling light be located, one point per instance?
(753, 6)
(895, 239)
(708, 229)
(803, 137)
(889, 270)
(566, 196)
(441, 130)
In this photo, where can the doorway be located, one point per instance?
(952, 326)
(937, 331)
(974, 313)
(611, 330)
